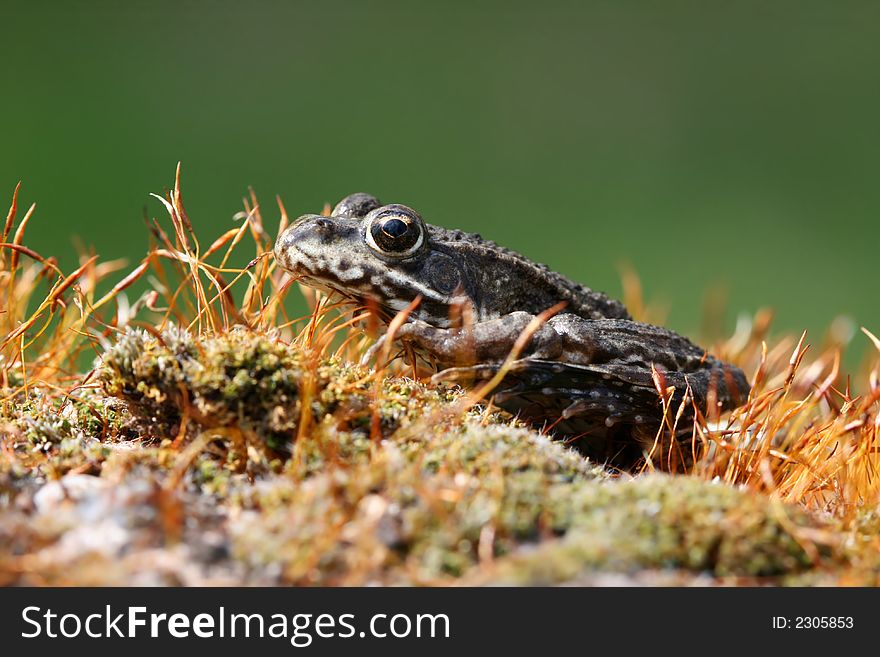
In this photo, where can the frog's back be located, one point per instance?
(503, 281)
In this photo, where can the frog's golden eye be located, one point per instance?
(394, 231)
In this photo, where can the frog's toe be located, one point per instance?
(373, 351)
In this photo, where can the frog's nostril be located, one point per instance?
(310, 224)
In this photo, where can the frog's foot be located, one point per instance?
(374, 350)
(443, 344)
(407, 332)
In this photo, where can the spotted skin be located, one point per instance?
(590, 372)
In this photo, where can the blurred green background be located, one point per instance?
(713, 145)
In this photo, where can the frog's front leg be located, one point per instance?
(488, 341)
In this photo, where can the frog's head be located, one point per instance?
(366, 250)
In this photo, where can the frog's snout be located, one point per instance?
(309, 228)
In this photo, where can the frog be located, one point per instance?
(572, 360)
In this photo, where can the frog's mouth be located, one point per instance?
(362, 300)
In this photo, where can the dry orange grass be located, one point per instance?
(807, 435)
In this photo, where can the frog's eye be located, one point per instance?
(394, 231)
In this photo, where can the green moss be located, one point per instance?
(540, 511)
(662, 522)
(251, 382)
(419, 510)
